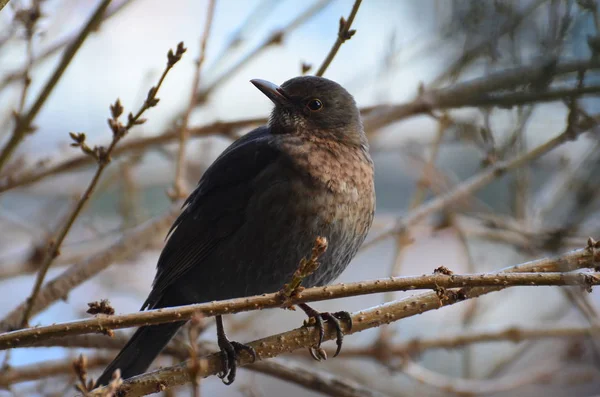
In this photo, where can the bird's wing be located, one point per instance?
(215, 210)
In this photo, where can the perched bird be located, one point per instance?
(257, 211)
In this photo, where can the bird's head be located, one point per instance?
(310, 105)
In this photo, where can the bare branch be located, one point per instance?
(366, 319)
(440, 282)
(23, 126)
(344, 33)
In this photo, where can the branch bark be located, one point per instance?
(105, 324)
(366, 319)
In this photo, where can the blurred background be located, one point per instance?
(403, 52)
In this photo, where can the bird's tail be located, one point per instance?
(141, 350)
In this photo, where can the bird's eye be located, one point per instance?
(315, 104)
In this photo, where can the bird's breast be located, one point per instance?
(338, 180)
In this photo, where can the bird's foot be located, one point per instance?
(230, 351)
(319, 318)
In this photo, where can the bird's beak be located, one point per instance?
(274, 92)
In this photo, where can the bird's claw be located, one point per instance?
(230, 351)
(319, 318)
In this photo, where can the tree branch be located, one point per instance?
(23, 125)
(180, 190)
(102, 157)
(573, 260)
(370, 318)
(131, 242)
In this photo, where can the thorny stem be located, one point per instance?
(344, 33)
(23, 124)
(179, 185)
(573, 260)
(103, 159)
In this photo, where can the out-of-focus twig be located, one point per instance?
(476, 182)
(58, 288)
(275, 38)
(179, 187)
(61, 43)
(46, 369)
(461, 386)
(23, 124)
(3, 3)
(314, 379)
(471, 54)
(476, 92)
(102, 156)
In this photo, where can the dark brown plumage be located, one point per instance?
(258, 209)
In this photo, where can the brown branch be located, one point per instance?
(524, 98)
(225, 128)
(344, 33)
(179, 187)
(469, 92)
(371, 318)
(130, 243)
(287, 370)
(571, 261)
(417, 346)
(313, 379)
(23, 125)
(102, 156)
(317, 380)
(467, 387)
(46, 369)
(133, 145)
(3, 3)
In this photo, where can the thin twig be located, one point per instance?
(275, 38)
(472, 184)
(470, 93)
(130, 243)
(344, 33)
(59, 44)
(313, 379)
(306, 267)
(23, 125)
(46, 369)
(179, 187)
(102, 155)
(375, 117)
(133, 145)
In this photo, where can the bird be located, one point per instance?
(256, 211)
